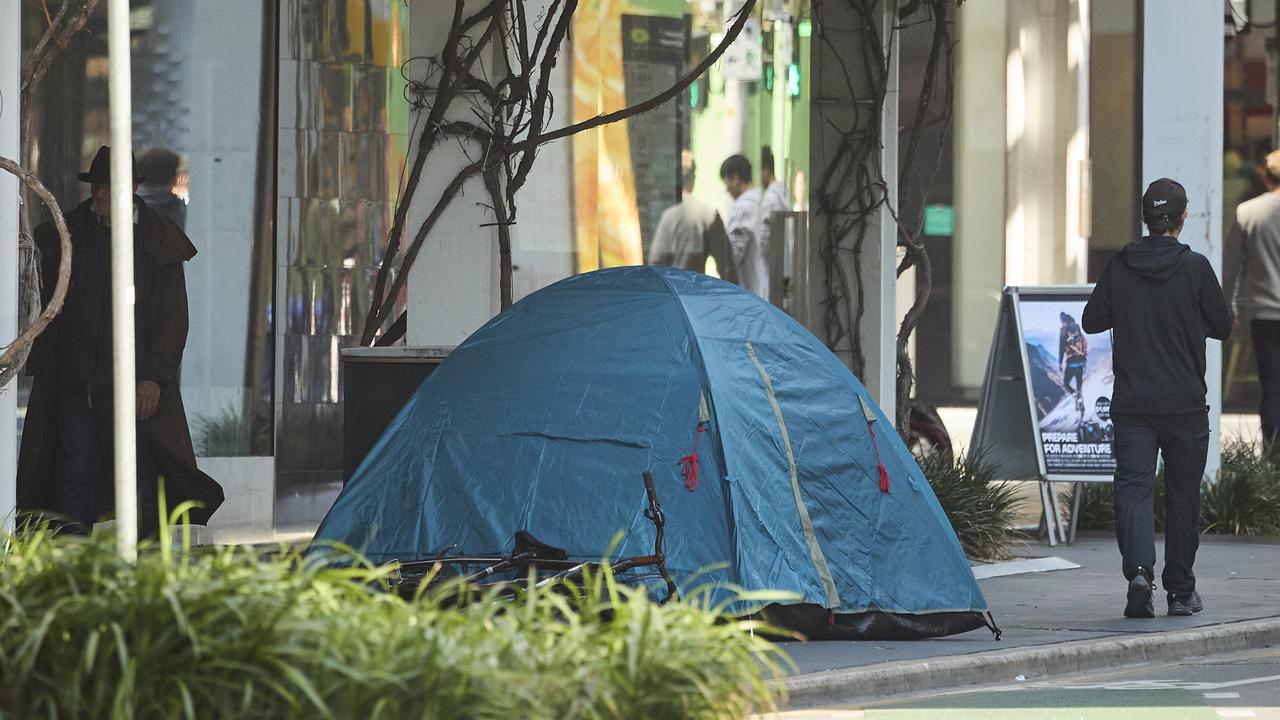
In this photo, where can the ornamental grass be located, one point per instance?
(1243, 500)
(227, 632)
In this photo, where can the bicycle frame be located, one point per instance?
(562, 568)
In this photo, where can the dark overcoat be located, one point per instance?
(160, 314)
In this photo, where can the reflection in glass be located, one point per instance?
(343, 127)
(197, 104)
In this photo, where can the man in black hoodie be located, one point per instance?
(1161, 300)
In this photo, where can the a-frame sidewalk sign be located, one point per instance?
(1045, 409)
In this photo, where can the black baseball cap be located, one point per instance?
(1164, 198)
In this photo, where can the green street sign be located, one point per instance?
(939, 220)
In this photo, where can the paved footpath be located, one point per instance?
(1060, 622)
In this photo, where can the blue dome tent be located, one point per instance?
(774, 468)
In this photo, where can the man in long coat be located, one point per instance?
(65, 464)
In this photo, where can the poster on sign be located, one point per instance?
(1045, 409)
(1069, 381)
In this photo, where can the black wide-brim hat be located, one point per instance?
(100, 169)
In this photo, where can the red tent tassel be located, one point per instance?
(884, 474)
(689, 463)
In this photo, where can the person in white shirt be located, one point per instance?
(775, 195)
(745, 225)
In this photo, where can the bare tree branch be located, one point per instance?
(493, 183)
(511, 118)
(851, 190)
(16, 353)
(56, 36)
(384, 307)
(542, 95)
(59, 31)
(454, 76)
(740, 21)
(940, 58)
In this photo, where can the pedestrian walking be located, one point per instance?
(1256, 293)
(1161, 300)
(745, 226)
(159, 167)
(691, 231)
(66, 462)
(774, 197)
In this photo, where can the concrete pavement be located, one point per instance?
(1060, 621)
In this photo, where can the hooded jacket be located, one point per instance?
(1161, 300)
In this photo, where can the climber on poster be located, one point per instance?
(1073, 356)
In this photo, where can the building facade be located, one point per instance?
(294, 120)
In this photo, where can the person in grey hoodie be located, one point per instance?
(1161, 300)
(1257, 288)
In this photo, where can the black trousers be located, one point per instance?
(1266, 346)
(86, 431)
(1184, 441)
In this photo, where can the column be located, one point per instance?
(453, 285)
(1046, 143)
(836, 63)
(980, 146)
(1182, 79)
(10, 55)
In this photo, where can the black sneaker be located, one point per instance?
(1139, 605)
(1185, 603)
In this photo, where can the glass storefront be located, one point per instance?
(1249, 134)
(276, 132)
(1016, 76)
(621, 177)
(198, 112)
(344, 131)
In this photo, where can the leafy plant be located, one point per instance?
(1245, 499)
(225, 633)
(227, 434)
(981, 510)
(1097, 508)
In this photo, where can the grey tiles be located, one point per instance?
(343, 124)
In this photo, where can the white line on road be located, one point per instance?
(1157, 684)
(1222, 696)
(1237, 714)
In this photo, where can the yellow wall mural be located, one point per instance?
(608, 221)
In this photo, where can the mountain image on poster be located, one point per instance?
(1071, 380)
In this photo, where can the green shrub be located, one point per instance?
(981, 510)
(1097, 508)
(228, 434)
(229, 634)
(1245, 500)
